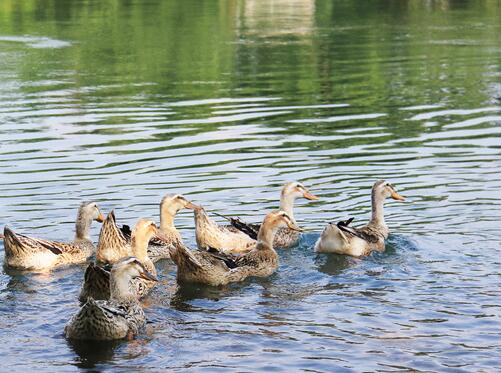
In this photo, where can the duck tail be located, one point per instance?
(249, 229)
(183, 257)
(110, 227)
(110, 238)
(12, 244)
(96, 283)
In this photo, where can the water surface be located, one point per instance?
(121, 102)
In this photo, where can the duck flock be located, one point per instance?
(124, 271)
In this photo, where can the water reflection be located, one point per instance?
(275, 17)
(334, 264)
(92, 353)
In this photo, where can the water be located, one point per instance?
(122, 102)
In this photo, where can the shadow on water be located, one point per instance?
(187, 292)
(92, 353)
(334, 264)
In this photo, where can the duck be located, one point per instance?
(215, 268)
(341, 238)
(119, 317)
(285, 237)
(114, 241)
(209, 234)
(36, 254)
(97, 278)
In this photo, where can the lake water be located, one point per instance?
(121, 102)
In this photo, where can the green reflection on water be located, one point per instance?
(366, 53)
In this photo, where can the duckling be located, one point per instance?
(285, 237)
(209, 234)
(340, 238)
(97, 279)
(220, 269)
(117, 318)
(29, 253)
(114, 242)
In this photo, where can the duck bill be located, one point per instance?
(295, 227)
(310, 196)
(397, 197)
(191, 206)
(148, 276)
(100, 217)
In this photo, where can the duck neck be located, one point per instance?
(167, 220)
(139, 245)
(287, 205)
(265, 237)
(202, 220)
(119, 287)
(377, 210)
(82, 227)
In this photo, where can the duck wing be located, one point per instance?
(21, 244)
(228, 259)
(126, 231)
(365, 233)
(112, 308)
(250, 230)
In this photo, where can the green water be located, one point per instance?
(121, 102)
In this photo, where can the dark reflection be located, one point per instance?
(334, 264)
(18, 281)
(91, 353)
(186, 292)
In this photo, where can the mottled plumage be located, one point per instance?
(31, 253)
(117, 318)
(106, 320)
(220, 269)
(96, 279)
(96, 283)
(115, 242)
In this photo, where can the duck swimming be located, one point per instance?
(114, 242)
(285, 237)
(215, 268)
(97, 279)
(30, 253)
(119, 317)
(341, 238)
